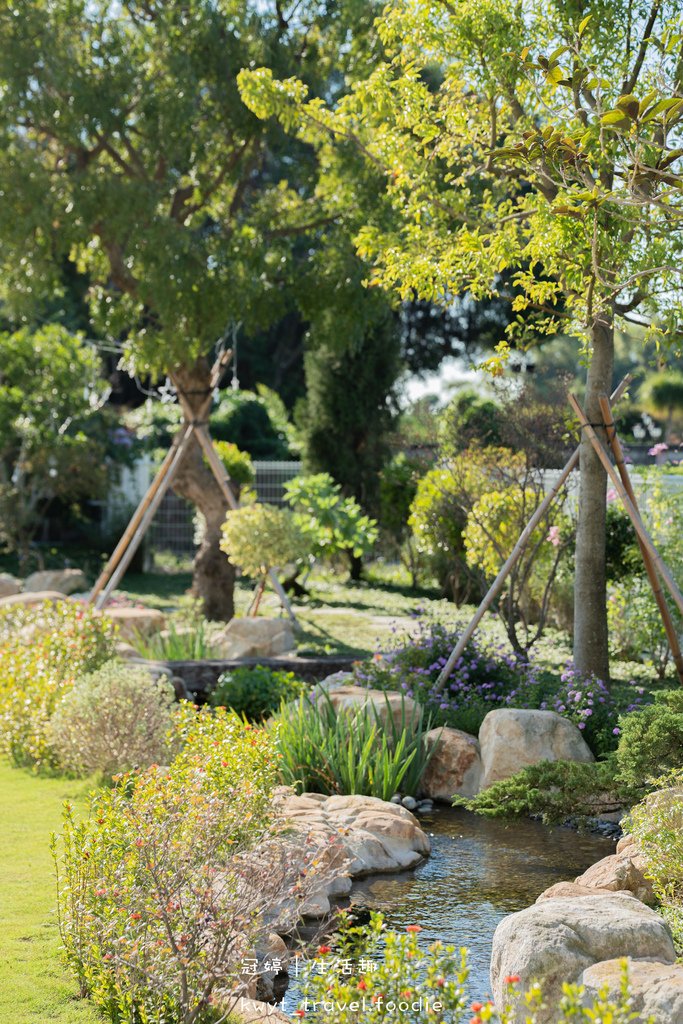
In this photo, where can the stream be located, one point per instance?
(479, 871)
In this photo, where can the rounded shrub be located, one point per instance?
(113, 720)
(651, 740)
(256, 692)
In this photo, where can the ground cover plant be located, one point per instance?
(352, 751)
(43, 651)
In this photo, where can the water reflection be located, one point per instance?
(479, 871)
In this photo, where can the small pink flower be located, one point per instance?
(658, 448)
(554, 536)
(611, 494)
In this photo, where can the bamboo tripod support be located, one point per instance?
(515, 555)
(659, 596)
(193, 428)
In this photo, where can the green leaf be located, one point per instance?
(583, 25)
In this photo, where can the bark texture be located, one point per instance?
(591, 654)
(213, 575)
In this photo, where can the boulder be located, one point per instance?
(512, 738)
(556, 940)
(32, 599)
(620, 871)
(389, 705)
(569, 890)
(656, 988)
(255, 638)
(9, 585)
(65, 581)
(455, 768)
(135, 622)
(273, 959)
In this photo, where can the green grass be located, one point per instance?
(35, 987)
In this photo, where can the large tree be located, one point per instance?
(547, 149)
(125, 150)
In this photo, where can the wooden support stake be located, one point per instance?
(620, 464)
(223, 480)
(516, 553)
(180, 441)
(638, 524)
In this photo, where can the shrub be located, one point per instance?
(113, 720)
(256, 692)
(553, 790)
(481, 680)
(259, 537)
(351, 751)
(395, 977)
(589, 704)
(42, 651)
(160, 890)
(635, 624)
(651, 740)
(332, 524)
(657, 826)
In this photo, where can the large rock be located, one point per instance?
(65, 581)
(556, 940)
(136, 622)
(624, 870)
(570, 890)
(9, 585)
(656, 988)
(31, 600)
(455, 768)
(512, 738)
(389, 705)
(255, 638)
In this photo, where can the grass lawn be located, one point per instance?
(35, 988)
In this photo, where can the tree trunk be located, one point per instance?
(591, 653)
(213, 575)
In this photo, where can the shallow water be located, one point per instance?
(479, 871)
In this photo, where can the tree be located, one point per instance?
(50, 448)
(548, 150)
(663, 393)
(128, 154)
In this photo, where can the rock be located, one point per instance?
(389, 705)
(455, 768)
(512, 738)
(255, 638)
(568, 890)
(396, 798)
(9, 585)
(136, 622)
(32, 599)
(125, 650)
(409, 802)
(333, 682)
(64, 581)
(425, 807)
(556, 940)
(656, 988)
(273, 958)
(620, 871)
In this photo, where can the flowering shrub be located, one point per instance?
(393, 977)
(42, 651)
(481, 679)
(161, 892)
(112, 720)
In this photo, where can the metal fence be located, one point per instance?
(174, 528)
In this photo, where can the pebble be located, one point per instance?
(396, 798)
(409, 802)
(425, 806)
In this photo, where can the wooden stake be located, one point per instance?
(620, 464)
(638, 524)
(507, 568)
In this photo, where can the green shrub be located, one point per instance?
(404, 980)
(332, 524)
(256, 692)
(657, 826)
(350, 751)
(651, 740)
(113, 720)
(154, 912)
(636, 629)
(257, 538)
(555, 790)
(42, 651)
